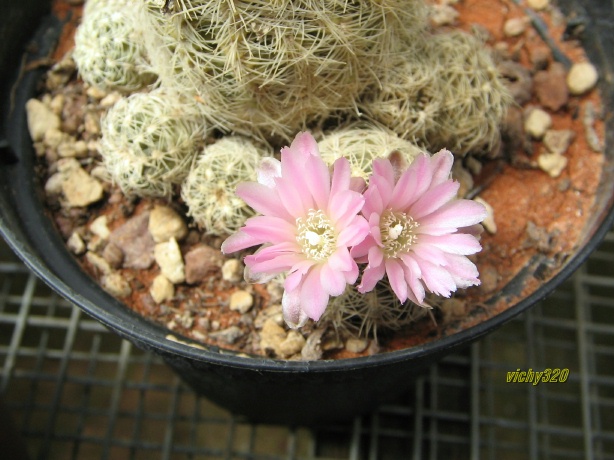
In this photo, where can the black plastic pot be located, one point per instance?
(264, 390)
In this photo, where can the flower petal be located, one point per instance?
(291, 308)
(433, 199)
(341, 260)
(332, 281)
(268, 170)
(452, 216)
(396, 276)
(270, 229)
(354, 233)
(344, 206)
(456, 243)
(239, 241)
(263, 199)
(341, 176)
(412, 183)
(313, 298)
(370, 277)
(441, 166)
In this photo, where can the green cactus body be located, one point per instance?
(209, 188)
(149, 141)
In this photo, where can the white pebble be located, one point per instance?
(241, 301)
(161, 289)
(40, 119)
(537, 123)
(582, 77)
(165, 223)
(99, 227)
(489, 223)
(515, 27)
(538, 4)
(168, 257)
(232, 270)
(116, 285)
(552, 163)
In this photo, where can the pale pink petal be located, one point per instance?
(464, 272)
(294, 197)
(332, 281)
(376, 256)
(239, 241)
(313, 298)
(441, 166)
(396, 276)
(292, 310)
(269, 229)
(360, 251)
(305, 145)
(268, 170)
(373, 202)
(279, 264)
(343, 207)
(433, 199)
(317, 179)
(412, 183)
(428, 252)
(341, 260)
(341, 176)
(370, 278)
(416, 292)
(263, 199)
(257, 277)
(437, 279)
(456, 243)
(296, 274)
(351, 275)
(354, 233)
(383, 167)
(357, 184)
(451, 216)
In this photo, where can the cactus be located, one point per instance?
(361, 143)
(109, 52)
(209, 188)
(447, 93)
(149, 141)
(356, 314)
(273, 68)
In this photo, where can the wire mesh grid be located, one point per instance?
(77, 391)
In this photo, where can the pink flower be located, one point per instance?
(308, 224)
(420, 232)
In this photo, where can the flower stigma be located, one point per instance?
(316, 235)
(398, 232)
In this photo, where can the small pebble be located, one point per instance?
(538, 4)
(168, 257)
(75, 244)
(356, 345)
(161, 289)
(582, 77)
(515, 26)
(116, 285)
(552, 163)
(99, 227)
(80, 189)
(443, 15)
(489, 223)
(558, 141)
(98, 263)
(165, 223)
(241, 301)
(232, 270)
(292, 344)
(40, 119)
(537, 123)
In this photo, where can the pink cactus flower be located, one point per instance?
(420, 232)
(309, 222)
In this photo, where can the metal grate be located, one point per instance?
(77, 391)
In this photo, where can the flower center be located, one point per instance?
(398, 232)
(316, 235)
